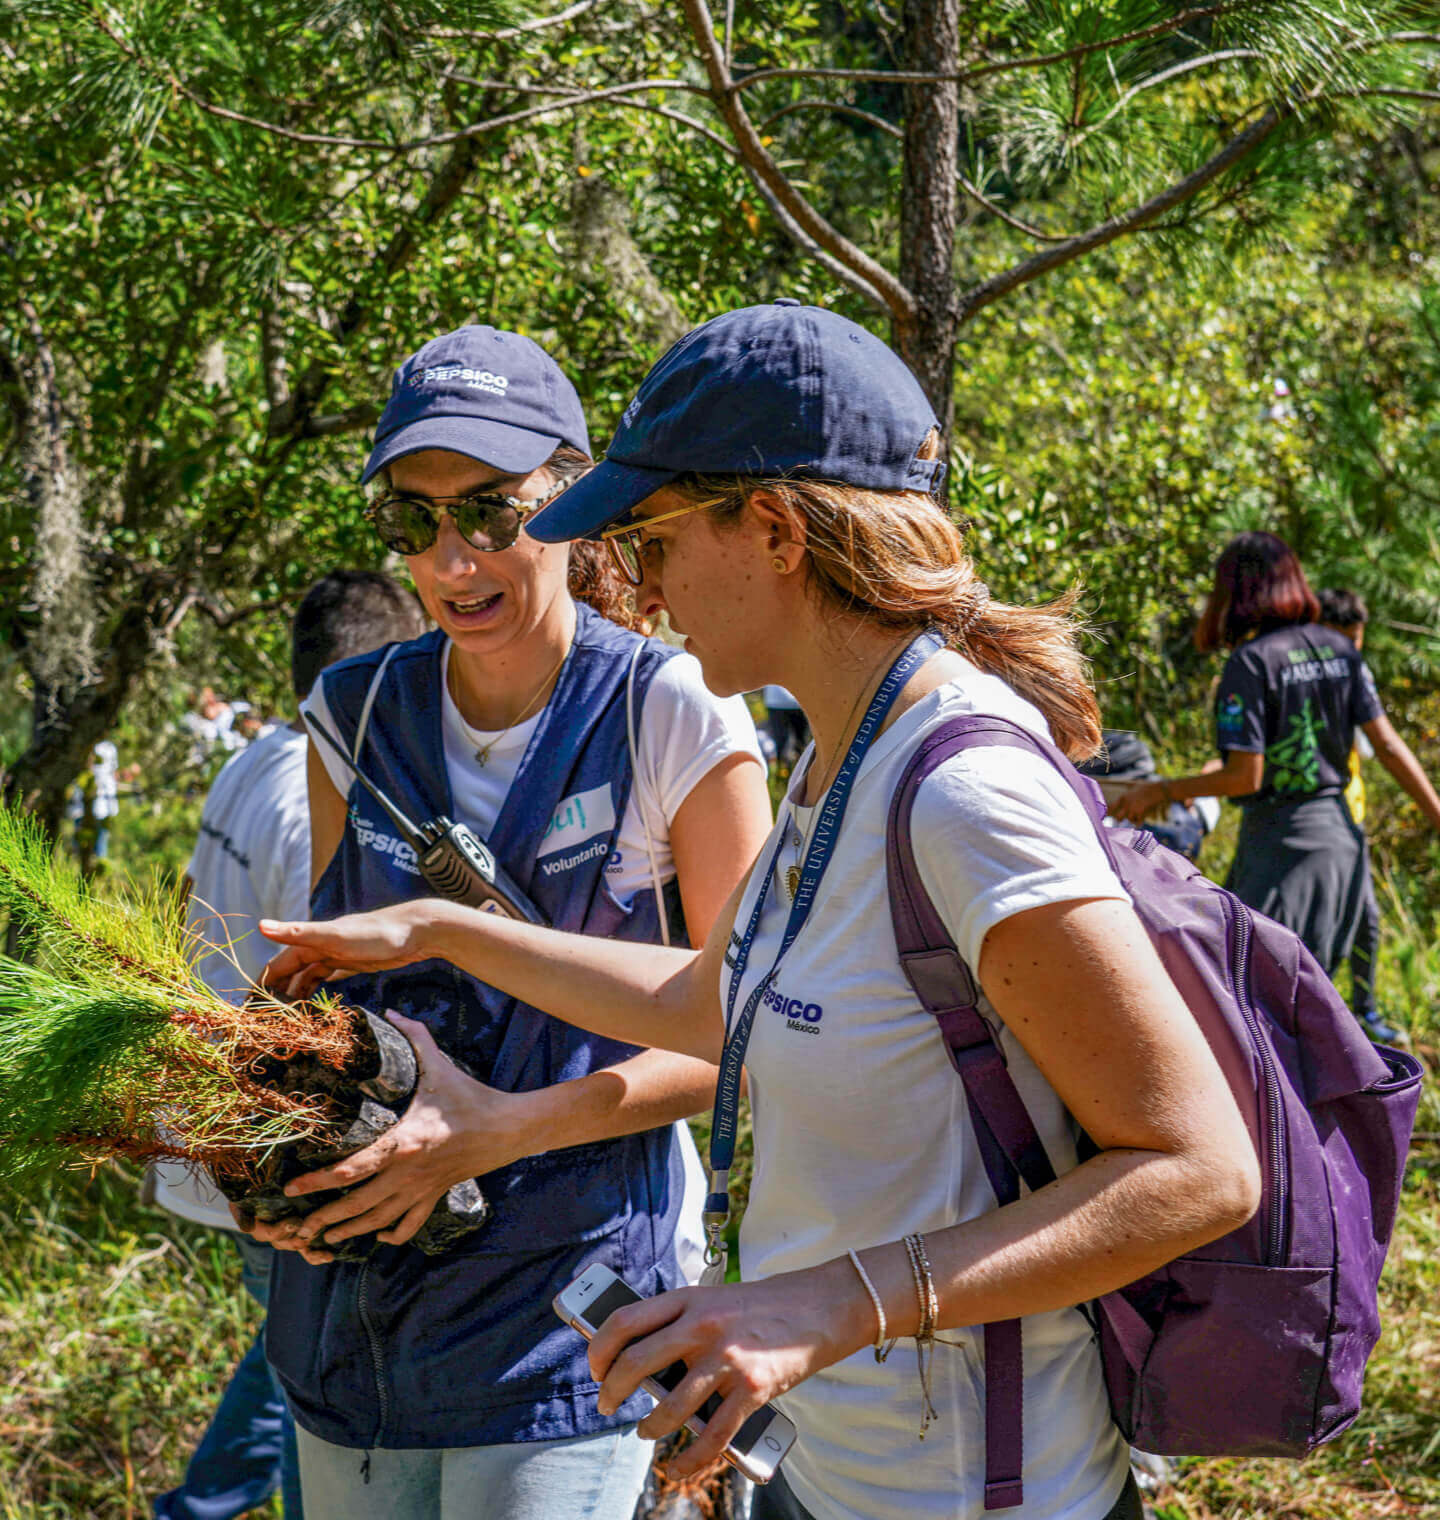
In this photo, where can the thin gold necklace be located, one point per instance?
(802, 841)
(482, 753)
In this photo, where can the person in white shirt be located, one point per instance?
(94, 803)
(211, 723)
(773, 487)
(252, 860)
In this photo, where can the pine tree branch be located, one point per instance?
(1385, 93)
(800, 219)
(294, 421)
(709, 133)
(351, 420)
(568, 102)
(1238, 148)
(524, 28)
(1006, 65)
(977, 195)
(838, 107)
(223, 617)
(1189, 66)
(577, 96)
(575, 92)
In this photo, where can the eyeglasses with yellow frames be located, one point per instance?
(626, 547)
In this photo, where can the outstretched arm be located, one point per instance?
(1398, 758)
(456, 1128)
(1241, 775)
(640, 994)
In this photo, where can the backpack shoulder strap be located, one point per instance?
(943, 982)
(1009, 1143)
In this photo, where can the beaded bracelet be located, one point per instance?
(882, 1348)
(925, 1334)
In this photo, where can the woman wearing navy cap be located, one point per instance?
(772, 486)
(627, 801)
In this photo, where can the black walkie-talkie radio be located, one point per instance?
(454, 863)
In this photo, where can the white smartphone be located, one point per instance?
(758, 1447)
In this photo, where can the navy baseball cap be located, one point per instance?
(782, 389)
(495, 396)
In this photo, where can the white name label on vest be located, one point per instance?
(578, 818)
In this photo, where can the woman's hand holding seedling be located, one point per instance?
(453, 1129)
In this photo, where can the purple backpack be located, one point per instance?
(1254, 1345)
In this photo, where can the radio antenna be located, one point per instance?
(411, 835)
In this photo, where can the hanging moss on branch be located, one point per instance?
(111, 1046)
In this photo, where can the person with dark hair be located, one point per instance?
(1291, 698)
(773, 486)
(626, 801)
(338, 618)
(1346, 612)
(252, 860)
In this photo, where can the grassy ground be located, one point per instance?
(119, 1327)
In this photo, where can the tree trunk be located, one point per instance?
(72, 715)
(927, 207)
(60, 654)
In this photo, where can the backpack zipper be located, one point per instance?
(377, 1355)
(1276, 1144)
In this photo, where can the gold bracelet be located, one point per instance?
(924, 1287)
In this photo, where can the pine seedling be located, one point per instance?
(110, 1045)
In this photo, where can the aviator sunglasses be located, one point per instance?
(488, 521)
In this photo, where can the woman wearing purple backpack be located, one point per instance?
(775, 487)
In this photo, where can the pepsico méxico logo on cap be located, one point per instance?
(476, 379)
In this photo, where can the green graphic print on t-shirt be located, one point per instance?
(1293, 761)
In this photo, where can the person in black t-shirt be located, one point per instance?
(1290, 699)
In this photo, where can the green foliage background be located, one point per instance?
(196, 274)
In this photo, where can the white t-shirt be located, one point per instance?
(683, 732)
(862, 1130)
(251, 861)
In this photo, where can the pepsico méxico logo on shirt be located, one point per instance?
(802, 1017)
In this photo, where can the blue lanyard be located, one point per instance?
(817, 858)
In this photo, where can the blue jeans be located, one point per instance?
(595, 1477)
(248, 1449)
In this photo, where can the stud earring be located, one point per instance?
(778, 565)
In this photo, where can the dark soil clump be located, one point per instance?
(368, 1094)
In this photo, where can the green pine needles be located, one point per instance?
(111, 1046)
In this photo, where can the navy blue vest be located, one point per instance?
(409, 1350)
